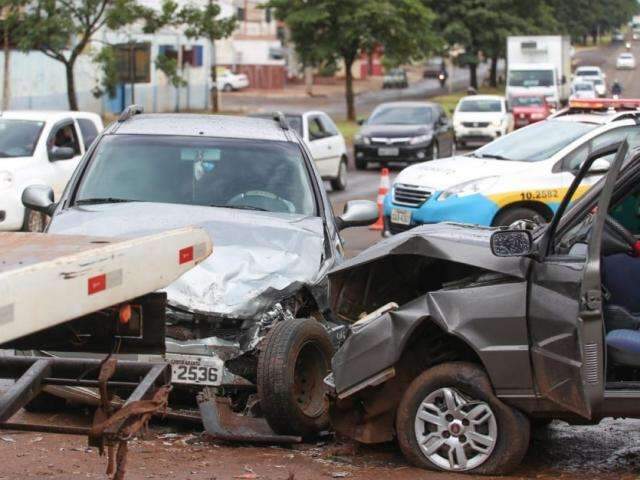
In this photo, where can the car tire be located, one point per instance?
(493, 442)
(227, 87)
(292, 365)
(511, 215)
(45, 403)
(33, 221)
(361, 164)
(435, 151)
(460, 144)
(340, 182)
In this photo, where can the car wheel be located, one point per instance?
(450, 420)
(340, 182)
(460, 144)
(361, 164)
(293, 363)
(512, 215)
(227, 87)
(33, 221)
(435, 151)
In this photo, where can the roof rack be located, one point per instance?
(129, 112)
(282, 121)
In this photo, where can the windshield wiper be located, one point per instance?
(489, 155)
(241, 207)
(88, 201)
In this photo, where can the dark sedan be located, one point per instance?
(404, 132)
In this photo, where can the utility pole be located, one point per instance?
(215, 97)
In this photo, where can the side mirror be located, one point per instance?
(61, 153)
(39, 198)
(358, 213)
(361, 121)
(511, 243)
(601, 165)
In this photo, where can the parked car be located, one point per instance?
(403, 132)
(520, 176)
(39, 148)
(582, 89)
(434, 67)
(324, 141)
(395, 78)
(528, 109)
(487, 331)
(626, 61)
(600, 86)
(252, 319)
(228, 81)
(617, 37)
(481, 118)
(588, 72)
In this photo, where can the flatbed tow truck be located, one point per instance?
(94, 295)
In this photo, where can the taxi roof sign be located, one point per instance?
(605, 104)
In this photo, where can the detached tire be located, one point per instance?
(291, 368)
(450, 420)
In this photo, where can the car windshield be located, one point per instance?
(530, 78)
(480, 105)
(18, 138)
(536, 142)
(295, 122)
(588, 73)
(400, 116)
(242, 174)
(626, 56)
(527, 102)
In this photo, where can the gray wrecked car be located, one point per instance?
(475, 333)
(249, 328)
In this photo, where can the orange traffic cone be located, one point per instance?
(382, 191)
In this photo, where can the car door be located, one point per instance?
(63, 134)
(319, 142)
(565, 319)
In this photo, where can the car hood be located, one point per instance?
(528, 110)
(393, 131)
(258, 258)
(477, 116)
(446, 172)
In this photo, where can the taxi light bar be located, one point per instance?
(606, 104)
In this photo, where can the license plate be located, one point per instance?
(402, 217)
(388, 152)
(195, 370)
(476, 132)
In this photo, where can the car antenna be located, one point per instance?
(129, 112)
(282, 121)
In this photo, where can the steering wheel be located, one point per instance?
(261, 200)
(617, 239)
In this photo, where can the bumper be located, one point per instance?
(11, 211)
(405, 153)
(480, 134)
(474, 209)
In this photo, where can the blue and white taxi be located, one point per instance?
(523, 175)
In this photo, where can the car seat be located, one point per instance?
(623, 347)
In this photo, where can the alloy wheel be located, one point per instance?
(454, 432)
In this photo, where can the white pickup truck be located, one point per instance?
(39, 148)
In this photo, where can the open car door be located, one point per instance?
(565, 316)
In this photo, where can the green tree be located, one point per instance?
(63, 29)
(323, 30)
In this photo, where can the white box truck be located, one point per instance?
(539, 64)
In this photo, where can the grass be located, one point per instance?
(348, 129)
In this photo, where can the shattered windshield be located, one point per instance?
(18, 138)
(536, 142)
(232, 173)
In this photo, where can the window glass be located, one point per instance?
(88, 130)
(530, 78)
(295, 122)
(479, 105)
(527, 101)
(65, 136)
(329, 126)
(391, 115)
(573, 160)
(244, 174)
(627, 212)
(316, 129)
(18, 138)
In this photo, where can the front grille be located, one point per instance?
(389, 141)
(410, 195)
(475, 124)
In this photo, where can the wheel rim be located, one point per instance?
(342, 179)
(454, 432)
(434, 151)
(310, 369)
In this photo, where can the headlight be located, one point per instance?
(498, 122)
(426, 138)
(6, 180)
(468, 188)
(359, 138)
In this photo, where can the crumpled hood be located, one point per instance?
(258, 258)
(444, 173)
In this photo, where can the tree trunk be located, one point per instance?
(308, 80)
(493, 74)
(6, 80)
(215, 105)
(473, 75)
(71, 86)
(351, 108)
